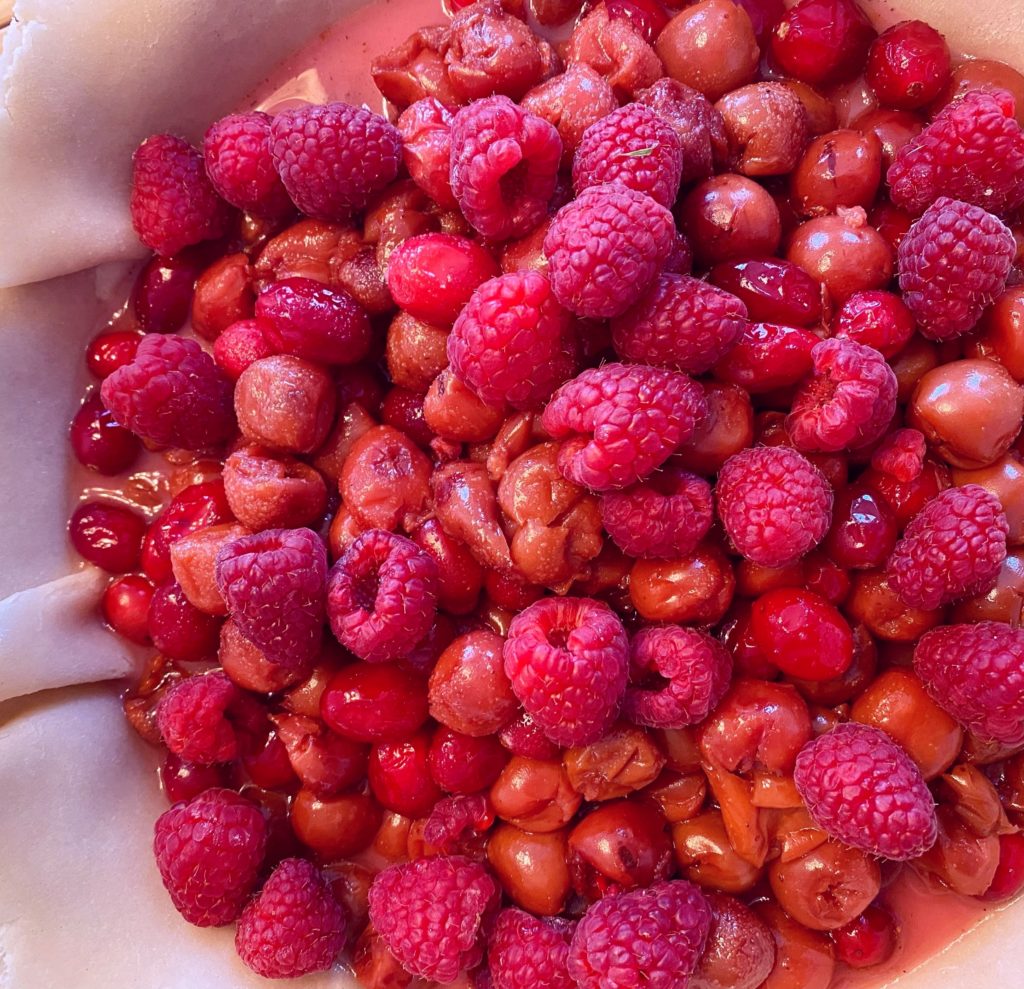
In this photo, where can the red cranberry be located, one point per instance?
(1009, 878)
(98, 442)
(125, 607)
(374, 703)
(773, 290)
(109, 351)
(863, 531)
(108, 536)
(464, 764)
(822, 41)
(162, 294)
(184, 780)
(179, 629)
(400, 776)
(460, 577)
(908, 65)
(869, 939)
(196, 507)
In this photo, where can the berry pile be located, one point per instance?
(590, 547)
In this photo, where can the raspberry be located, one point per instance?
(847, 403)
(433, 914)
(876, 319)
(634, 146)
(426, 132)
(651, 937)
(209, 852)
(621, 421)
(241, 344)
(172, 394)
(976, 673)
(605, 249)
(456, 820)
(953, 263)
(697, 669)
(333, 158)
(664, 517)
(238, 161)
(528, 952)
(193, 719)
(172, 202)
(513, 343)
(274, 585)
(293, 926)
(504, 167)
(775, 505)
(568, 660)
(953, 548)
(681, 323)
(864, 790)
(382, 596)
(901, 455)
(972, 151)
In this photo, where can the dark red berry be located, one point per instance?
(109, 351)
(98, 442)
(375, 703)
(125, 607)
(108, 536)
(400, 778)
(867, 940)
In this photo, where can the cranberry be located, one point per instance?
(696, 589)
(400, 778)
(108, 536)
(532, 868)
(730, 216)
(908, 65)
(109, 351)
(463, 764)
(469, 691)
(374, 703)
(707, 857)
(98, 442)
(1009, 878)
(179, 629)
(773, 290)
(162, 294)
(125, 607)
(183, 780)
(822, 41)
(863, 531)
(335, 827)
(197, 507)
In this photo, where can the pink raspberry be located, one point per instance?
(172, 394)
(953, 263)
(651, 937)
(972, 151)
(333, 158)
(172, 202)
(847, 403)
(457, 821)
(621, 421)
(605, 249)
(530, 952)
(775, 505)
(876, 319)
(513, 343)
(240, 166)
(664, 517)
(194, 719)
(901, 455)
(568, 660)
(293, 926)
(953, 548)
(240, 345)
(864, 790)
(273, 583)
(209, 852)
(504, 167)
(634, 146)
(976, 673)
(681, 323)
(426, 131)
(382, 596)
(434, 913)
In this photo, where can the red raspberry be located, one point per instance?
(953, 548)
(433, 914)
(634, 146)
(173, 203)
(426, 131)
(382, 596)
(529, 952)
(193, 718)
(621, 421)
(504, 167)
(241, 168)
(172, 394)
(953, 263)
(901, 455)
(241, 344)
(972, 151)
(293, 926)
(775, 505)
(333, 158)
(209, 852)
(976, 673)
(605, 249)
(513, 343)
(864, 790)
(651, 937)
(876, 319)
(458, 820)
(273, 583)
(682, 323)
(568, 660)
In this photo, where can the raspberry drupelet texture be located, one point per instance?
(976, 673)
(953, 263)
(382, 596)
(952, 549)
(293, 926)
(568, 661)
(504, 166)
(864, 790)
(172, 394)
(513, 344)
(209, 852)
(605, 249)
(775, 505)
(651, 937)
(901, 455)
(619, 422)
(193, 719)
(333, 158)
(528, 952)
(434, 914)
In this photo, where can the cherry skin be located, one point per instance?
(179, 629)
(867, 940)
(184, 780)
(98, 442)
(773, 290)
(108, 536)
(463, 764)
(374, 703)
(109, 351)
(1009, 878)
(908, 65)
(822, 41)
(400, 776)
(125, 607)
(863, 531)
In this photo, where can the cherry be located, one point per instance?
(727, 429)
(463, 764)
(907, 498)
(858, 675)
(532, 868)
(767, 357)
(804, 959)
(822, 41)
(523, 736)
(738, 637)
(863, 531)
(648, 16)
(374, 965)
(335, 827)
(125, 607)
(98, 442)
(535, 794)
(696, 589)
(867, 940)
(179, 629)
(460, 577)
(876, 319)
(325, 762)
(403, 409)
(162, 294)
(400, 776)
(874, 602)
(183, 780)
(908, 65)
(108, 536)
(265, 759)
(890, 221)
(764, 16)
(196, 507)
(224, 295)
(360, 383)
(374, 703)
(706, 856)
(1009, 878)
(826, 578)
(109, 351)
(773, 290)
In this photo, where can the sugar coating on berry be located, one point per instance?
(976, 673)
(953, 548)
(193, 719)
(433, 913)
(529, 952)
(774, 504)
(619, 422)
(864, 790)
(901, 455)
(605, 249)
(568, 661)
